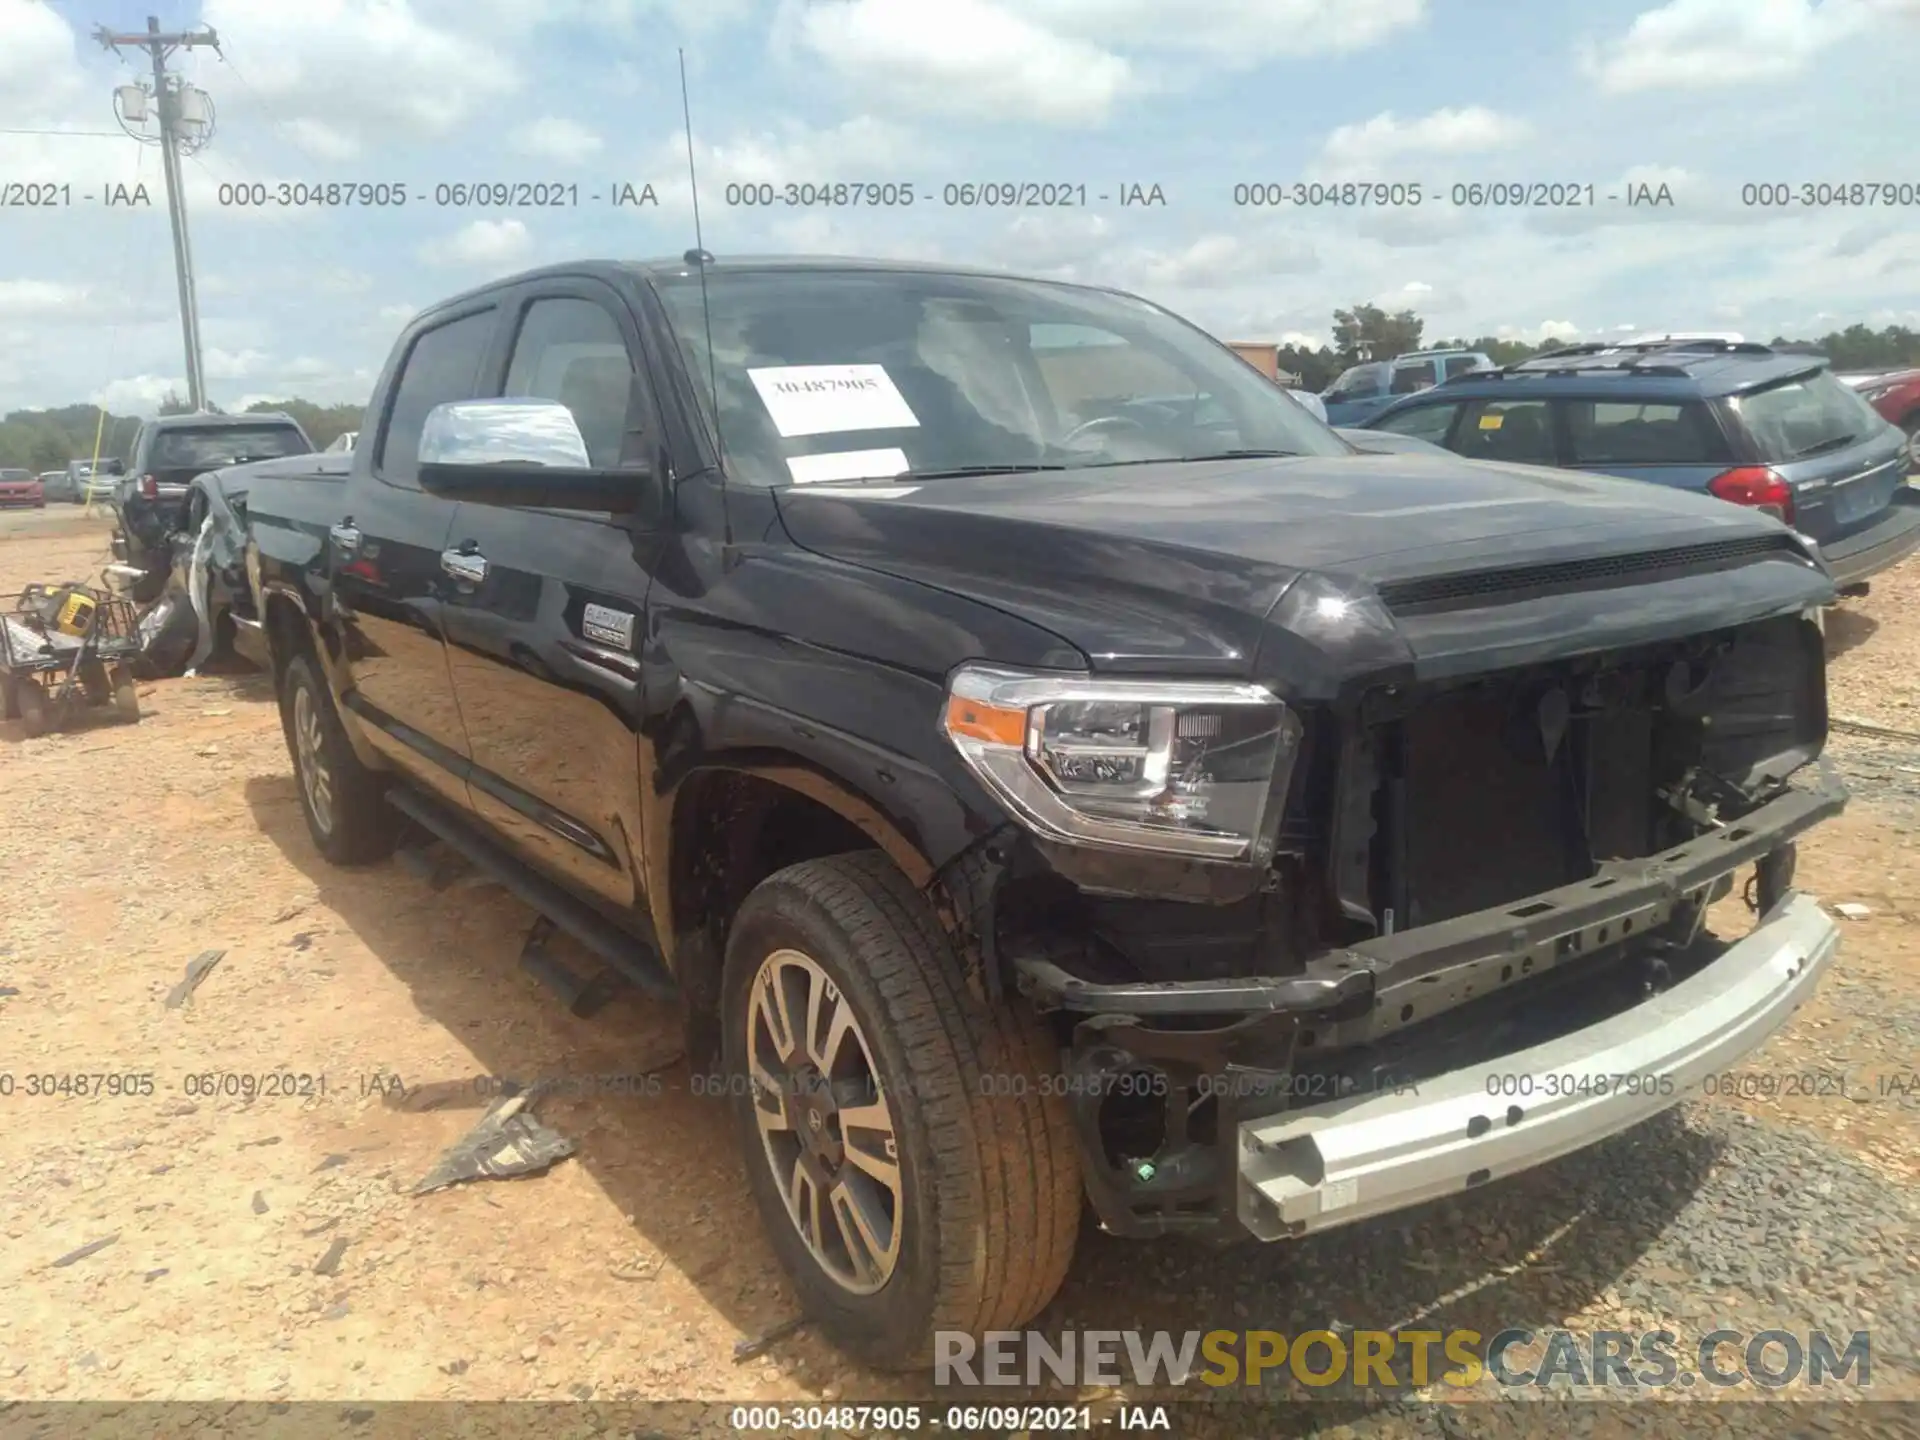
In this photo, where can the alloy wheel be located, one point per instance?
(825, 1126)
(311, 756)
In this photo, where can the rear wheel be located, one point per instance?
(341, 798)
(909, 1172)
(126, 693)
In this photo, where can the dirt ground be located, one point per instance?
(268, 1248)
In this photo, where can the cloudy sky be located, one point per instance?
(1703, 96)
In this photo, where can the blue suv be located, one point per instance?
(1743, 422)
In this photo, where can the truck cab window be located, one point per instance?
(572, 351)
(443, 365)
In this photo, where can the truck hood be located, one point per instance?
(1179, 566)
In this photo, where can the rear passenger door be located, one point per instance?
(387, 573)
(1514, 432)
(544, 633)
(1675, 443)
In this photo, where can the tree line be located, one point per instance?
(1366, 332)
(40, 440)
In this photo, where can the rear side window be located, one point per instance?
(1518, 432)
(1808, 416)
(442, 366)
(1624, 433)
(1410, 379)
(1423, 422)
(217, 445)
(1460, 364)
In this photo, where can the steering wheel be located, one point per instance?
(1103, 422)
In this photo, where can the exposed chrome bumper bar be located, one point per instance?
(1315, 1168)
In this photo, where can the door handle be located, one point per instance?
(345, 537)
(464, 565)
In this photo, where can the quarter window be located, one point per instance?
(1625, 433)
(443, 365)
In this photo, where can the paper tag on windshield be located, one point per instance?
(824, 399)
(1492, 422)
(846, 465)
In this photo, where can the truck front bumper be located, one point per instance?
(1326, 1165)
(1431, 1060)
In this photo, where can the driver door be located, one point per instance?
(545, 610)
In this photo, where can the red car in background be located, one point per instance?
(21, 487)
(1896, 395)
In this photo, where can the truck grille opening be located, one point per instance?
(1491, 791)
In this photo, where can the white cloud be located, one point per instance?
(1688, 43)
(1354, 151)
(39, 297)
(321, 140)
(492, 243)
(347, 77)
(40, 78)
(968, 58)
(398, 314)
(1236, 32)
(1539, 334)
(230, 365)
(138, 394)
(555, 138)
(862, 148)
(1216, 261)
(1067, 62)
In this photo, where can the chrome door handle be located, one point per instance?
(464, 565)
(345, 537)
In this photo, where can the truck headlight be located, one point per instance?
(1188, 768)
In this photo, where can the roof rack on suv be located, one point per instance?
(1642, 359)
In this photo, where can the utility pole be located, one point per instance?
(168, 93)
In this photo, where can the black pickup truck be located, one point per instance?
(1041, 793)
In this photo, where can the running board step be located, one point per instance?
(628, 954)
(583, 996)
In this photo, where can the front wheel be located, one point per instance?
(909, 1185)
(1912, 427)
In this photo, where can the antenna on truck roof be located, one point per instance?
(701, 258)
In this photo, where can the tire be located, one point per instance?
(986, 1209)
(126, 694)
(1912, 427)
(343, 800)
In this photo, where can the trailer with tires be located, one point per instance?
(63, 649)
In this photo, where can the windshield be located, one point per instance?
(1812, 415)
(225, 445)
(848, 374)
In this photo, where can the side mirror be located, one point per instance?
(523, 453)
